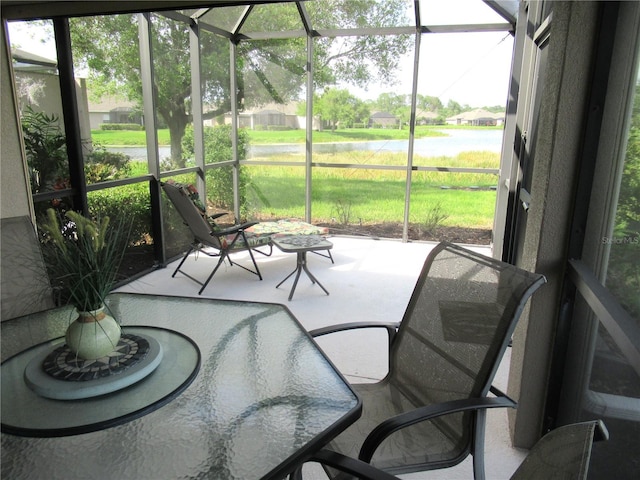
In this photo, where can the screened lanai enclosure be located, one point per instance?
(381, 118)
(514, 123)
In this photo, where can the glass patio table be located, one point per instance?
(249, 395)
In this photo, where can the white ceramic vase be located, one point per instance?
(93, 334)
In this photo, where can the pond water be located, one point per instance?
(456, 142)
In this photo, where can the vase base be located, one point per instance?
(63, 364)
(60, 376)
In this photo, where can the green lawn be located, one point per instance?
(359, 195)
(130, 138)
(121, 138)
(373, 196)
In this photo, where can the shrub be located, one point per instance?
(121, 126)
(217, 148)
(101, 165)
(342, 210)
(434, 218)
(129, 201)
(46, 150)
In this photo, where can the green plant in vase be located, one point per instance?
(83, 257)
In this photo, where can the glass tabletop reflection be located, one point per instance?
(264, 398)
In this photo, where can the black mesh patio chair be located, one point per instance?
(206, 235)
(562, 454)
(429, 411)
(25, 284)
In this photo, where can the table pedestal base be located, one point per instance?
(302, 265)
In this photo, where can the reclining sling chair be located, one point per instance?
(206, 235)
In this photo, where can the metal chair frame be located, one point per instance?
(477, 405)
(535, 465)
(206, 237)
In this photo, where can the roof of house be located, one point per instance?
(426, 114)
(269, 111)
(110, 103)
(285, 109)
(383, 115)
(24, 60)
(478, 114)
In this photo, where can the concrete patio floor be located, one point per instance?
(370, 280)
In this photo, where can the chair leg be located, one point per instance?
(296, 474)
(223, 255)
(249, 249)
(182, 261)
(478, 445)
(257, 250)
(255, 265)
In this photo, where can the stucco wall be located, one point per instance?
(14, 188)
(50, 101)
(561, 122)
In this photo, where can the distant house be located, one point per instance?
(269, 118)
(272, 116)
(424, 117)
(383, 119)
(112, 109)
(477, 117)
(499, 117)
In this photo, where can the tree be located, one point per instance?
(109, 47)
(359, 60)
(269, 71)
(404, 114)
(453, 108)
(391, 102)
(429, 103)
(628, 211)
(339, 106)
(623, 275)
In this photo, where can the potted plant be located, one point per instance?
(82, 258)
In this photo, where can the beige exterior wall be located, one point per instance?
(14, 187)
(50, 101)
(557, 162)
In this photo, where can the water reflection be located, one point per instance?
(456, 142)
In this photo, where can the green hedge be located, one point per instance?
(121, 126)
(273, 128)
(129, 201)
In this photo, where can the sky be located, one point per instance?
(472, 69)
(469, 68)
(32, 39)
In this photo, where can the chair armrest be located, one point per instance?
(498, 393)
(392, 329)
(217, 215)
(246, 225)
(233, 229)
(350, 465)
(601, 433)
(393, 424)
